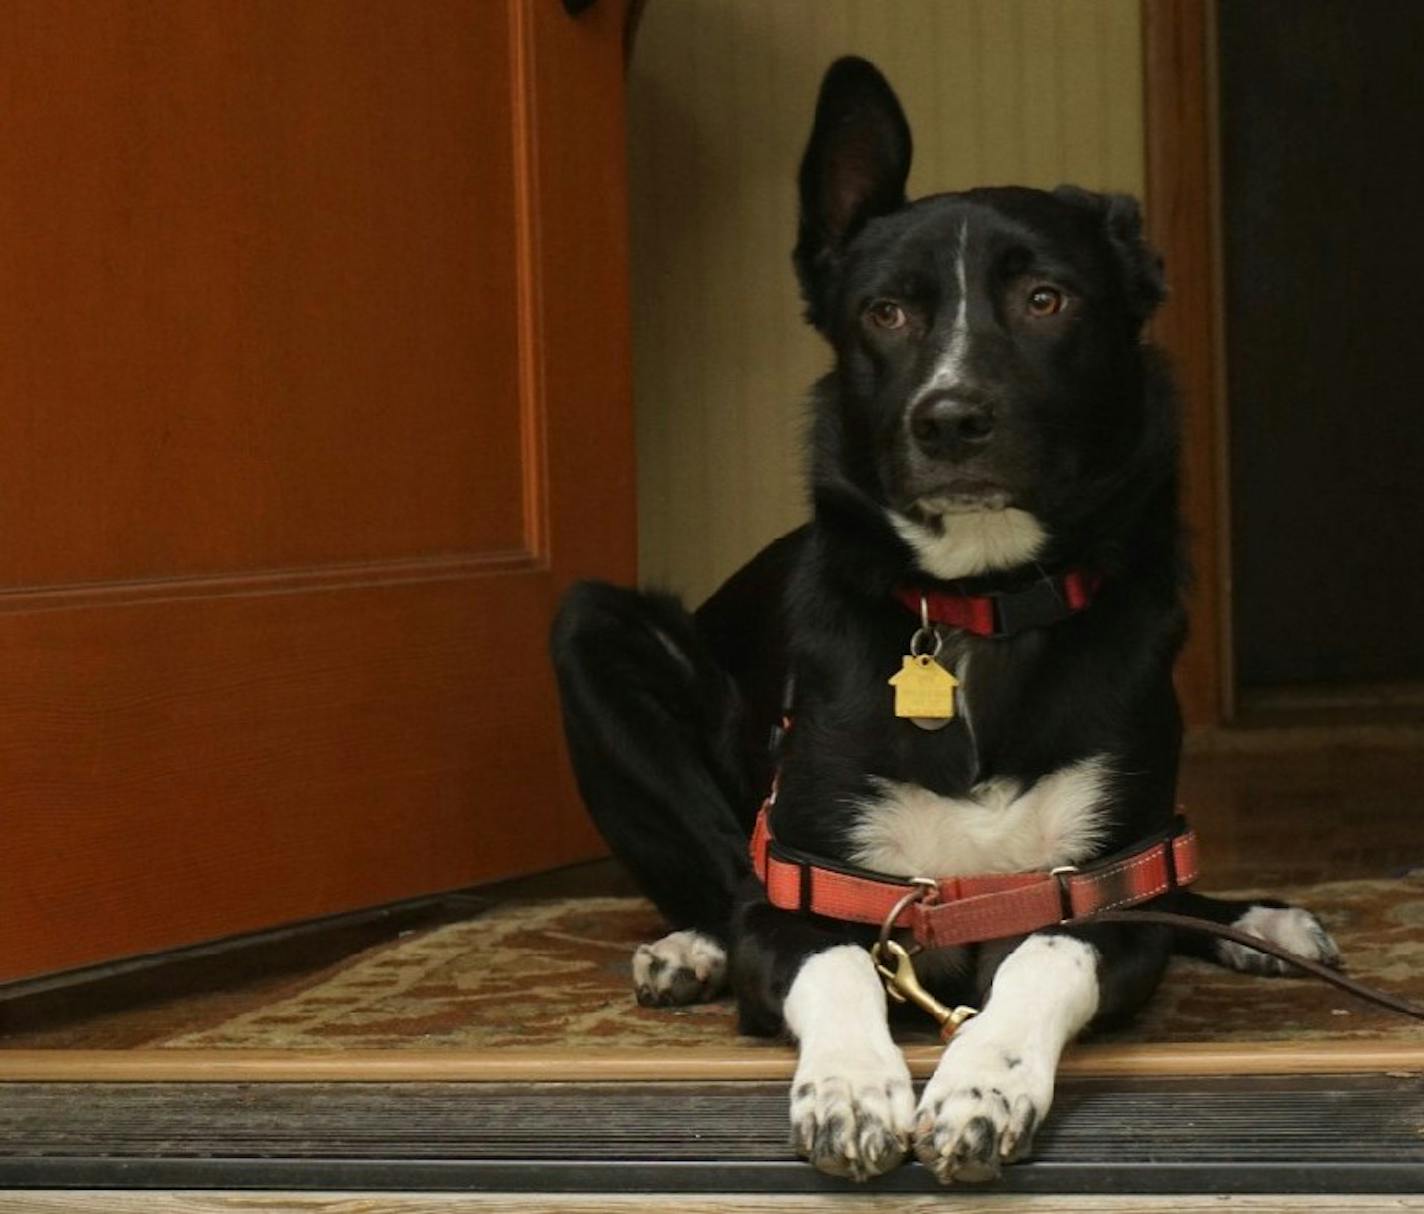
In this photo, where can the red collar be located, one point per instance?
(967, 910)
(1006, 612)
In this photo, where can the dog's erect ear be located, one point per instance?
(854, 169)
(1139, 263)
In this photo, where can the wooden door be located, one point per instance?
(314, 393)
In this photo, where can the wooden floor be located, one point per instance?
(1294, 805)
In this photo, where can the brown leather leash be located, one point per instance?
(896, 967)
(895, 964)
(1189, 923)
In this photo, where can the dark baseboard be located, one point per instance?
(54, 1000)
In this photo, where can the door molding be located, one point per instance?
(1183, 218)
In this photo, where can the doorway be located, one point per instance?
(1322, 256)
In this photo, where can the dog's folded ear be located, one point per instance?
(1139, 264)
(854, 169)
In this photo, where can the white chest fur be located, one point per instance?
(1001, 827)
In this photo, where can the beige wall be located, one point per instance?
(1033, 92)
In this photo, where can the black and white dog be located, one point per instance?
(993, 418)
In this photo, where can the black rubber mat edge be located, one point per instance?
(496, 1176)
(1280, 1135)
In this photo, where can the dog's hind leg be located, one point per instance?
(1290, 927)
(652, 721)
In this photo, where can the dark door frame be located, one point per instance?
(1183, 215)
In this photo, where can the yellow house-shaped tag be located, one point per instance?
(923, 688)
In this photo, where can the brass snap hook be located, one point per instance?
(894, 963)
(902, 985)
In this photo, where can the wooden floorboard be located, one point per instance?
(545, 1065)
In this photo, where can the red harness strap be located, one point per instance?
(967, 910)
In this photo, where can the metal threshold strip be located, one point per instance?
(1335, 1134)
(765, 1061)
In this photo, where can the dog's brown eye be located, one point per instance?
(886, 314)
(1045, 301)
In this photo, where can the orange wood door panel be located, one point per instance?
(314, 394)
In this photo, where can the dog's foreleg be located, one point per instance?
(994, 1085)
(851, 1101)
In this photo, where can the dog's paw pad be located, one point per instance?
(853, 1120)
(684, 967)
(1291, 928)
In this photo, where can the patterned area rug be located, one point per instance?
(556, 973)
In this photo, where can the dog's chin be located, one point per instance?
(962, 532)
(929, 509)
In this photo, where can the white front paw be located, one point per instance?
(981, 1107)
(851, 1113)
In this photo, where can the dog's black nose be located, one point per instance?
(949, 423)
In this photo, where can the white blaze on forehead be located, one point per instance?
(958, 541)
(948, 371)
(961, 315)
